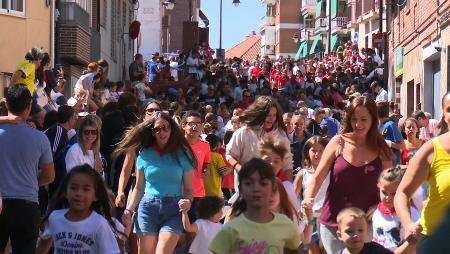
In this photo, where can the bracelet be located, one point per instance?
(310, 222)
(234, 166)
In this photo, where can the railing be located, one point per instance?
(339, 22)
(306, 3)
(72, 13)
(321, 23)
(306, 34)
(266, 21)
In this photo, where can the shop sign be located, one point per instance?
(399, 62)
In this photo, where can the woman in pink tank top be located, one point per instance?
(355, 159)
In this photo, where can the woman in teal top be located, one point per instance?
(164, 176)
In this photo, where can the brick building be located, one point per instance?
(419, 44)
(282, 21)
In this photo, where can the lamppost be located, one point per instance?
(168, 6)
(220, 52)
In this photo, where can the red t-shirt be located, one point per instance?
(202, 153)
(227, 180)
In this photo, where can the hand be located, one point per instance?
(120, 199)
(98, 165)
(413, 232)
(205, 173)
(309, 214)
(388, 142)
(127, 217)
(308, 203)
(184, 205)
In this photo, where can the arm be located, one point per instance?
(188, 182)
(325, 164)
(46, 174)
(16, 76)
(43, 246)
(405, 248)
(124, 177)
(416, 173)
(138, 191)
(192, 228)
(298, 183)
(398, 145)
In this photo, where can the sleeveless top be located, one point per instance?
(350, 186)
(439, 189)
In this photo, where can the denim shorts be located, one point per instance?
(158, 214)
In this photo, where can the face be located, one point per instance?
(298, 123)
(319, 117)
(193, 126)
(237, 112)
(256, 191)
(315, 154)
(287, 123)
(150, 109)
(271, 118)
(361, 121)
(80, 192)
(217, 217)
(90, 134)
(352, 231)
(275, 161)
(411, 128)
(161, 131)
(387, 192)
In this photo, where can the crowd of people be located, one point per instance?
(269, 156)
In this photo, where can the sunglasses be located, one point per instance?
(152, 110)
(91, 132)
(194, 124)
(165, 128)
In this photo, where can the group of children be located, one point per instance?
(266, 218)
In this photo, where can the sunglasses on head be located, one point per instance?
(164, 128)
(92, 132)
(152, 110)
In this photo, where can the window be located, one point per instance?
(113, 29)
(103, 13)
(15, 7)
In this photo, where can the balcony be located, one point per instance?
(339, 23)
(74, 34)
(73, 14)
(306, 30)
(321, 25)
(309, 6)
(269, 2)
(370, 9)
(266, 21)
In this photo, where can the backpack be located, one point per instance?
(59, 160)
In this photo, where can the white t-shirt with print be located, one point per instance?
(75, 157)
(206, 232)
(387, 230)
(90, 236)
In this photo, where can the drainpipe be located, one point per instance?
(52, 33)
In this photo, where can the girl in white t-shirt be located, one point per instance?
(386, 226)
(207, 225)
(79, 219)
(312, 153)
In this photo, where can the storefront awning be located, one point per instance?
(334, 44)
(318, 9)
(304, 51)
(300, 51)
(314, 44)
(203, 18)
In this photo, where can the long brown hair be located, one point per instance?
(140, 137)
(374, 139)
(256, 114)
(286, 206)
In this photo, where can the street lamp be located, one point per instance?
(169, 4)
(236, 2)
(220, 53)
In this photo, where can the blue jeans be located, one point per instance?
(157, 214)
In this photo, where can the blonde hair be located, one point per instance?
(268, 145)
(353, 212)
(89, 120)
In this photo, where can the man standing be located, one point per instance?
(27, 163)
(381, 94)
(313, 124)
(137, 76)
(391, 134)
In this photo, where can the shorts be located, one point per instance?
(157, 214)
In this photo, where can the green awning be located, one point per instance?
(299, 51)
(305, 50)
(334, 44)
(333, 8)
(314, 44)
(318, 9)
